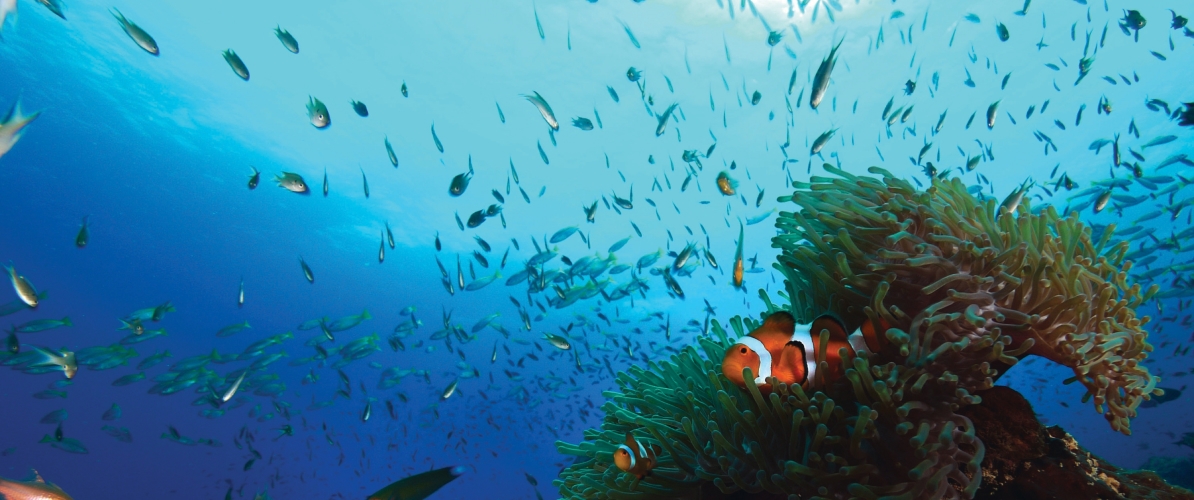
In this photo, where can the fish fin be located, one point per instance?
(15, 14)
(793, 368)
(781, 320)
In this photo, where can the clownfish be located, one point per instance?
(782, 349)
(636, 459)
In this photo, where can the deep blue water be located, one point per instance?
(156, 151)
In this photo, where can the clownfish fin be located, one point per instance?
(630, 443)
(792, 367)
(782, 321)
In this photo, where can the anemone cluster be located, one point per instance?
(964, 287)
(968, 282)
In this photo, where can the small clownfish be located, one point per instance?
(636, 459)
(784, 350)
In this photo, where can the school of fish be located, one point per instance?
(593, 298)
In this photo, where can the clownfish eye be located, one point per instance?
(742, 350)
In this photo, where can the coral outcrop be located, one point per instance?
(1176, 470)
(1027, 461)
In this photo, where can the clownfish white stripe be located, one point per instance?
(858, 342)
(642, 452)
(628, 452)
(802, 334)
(764, 358)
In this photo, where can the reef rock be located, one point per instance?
(1026, 460)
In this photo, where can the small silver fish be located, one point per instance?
(22, 286)
(1159, 141)
(381, 252)
(661, 127)
(821, 80)
(317, 112)
(235, 385)
(544, 109)
(238, 66)
(557, 341)
(137, 34)
(64, 360)
(12, 127)
(287, 39)
(821, 140)
(1102, 201)
(1012, 202)
(307, 271)
(390, 153)
(451, 389)
(292, 182)
(55, 7)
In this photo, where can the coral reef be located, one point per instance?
(966, 289)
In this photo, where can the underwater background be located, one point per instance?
(156, 152)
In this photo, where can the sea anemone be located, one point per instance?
(966, 289)
(963, 282)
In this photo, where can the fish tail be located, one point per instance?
(66, 321)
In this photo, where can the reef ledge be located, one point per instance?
(1026, 460)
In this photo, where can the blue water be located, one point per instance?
(156, 151)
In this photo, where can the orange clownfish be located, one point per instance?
(636, 459)
(784, 350)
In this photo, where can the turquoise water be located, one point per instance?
(156, 152)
